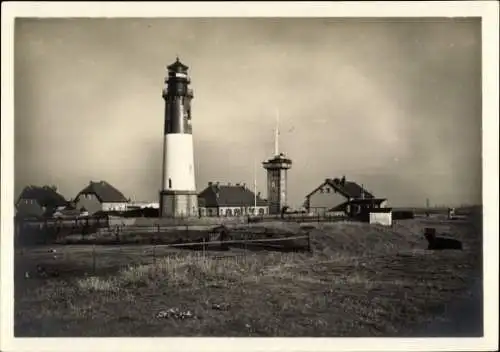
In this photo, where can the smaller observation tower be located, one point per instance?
(277, 168)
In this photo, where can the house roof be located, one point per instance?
(228, 196)
(104, 192)
(352, 189)
(45, 196)
(348, 189)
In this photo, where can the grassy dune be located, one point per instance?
(361, 280)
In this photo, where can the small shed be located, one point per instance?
(381, 216)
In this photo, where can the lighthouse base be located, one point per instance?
(178, 204)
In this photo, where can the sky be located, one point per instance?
(394, 104)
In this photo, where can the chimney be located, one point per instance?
(342, 181)
(210, 183)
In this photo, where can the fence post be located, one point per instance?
(93, 259)
(203, 247)
(309, 241)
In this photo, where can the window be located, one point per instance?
(237, 212)
(229, 212)
(328, 190)
(321, 190)
(261, 211)
(251, 210)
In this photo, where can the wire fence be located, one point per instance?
(96, 259)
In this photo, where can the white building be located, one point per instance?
(142, 205)
(230, 200)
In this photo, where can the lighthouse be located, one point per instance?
(178, 197)
(277, 168)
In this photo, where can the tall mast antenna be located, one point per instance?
(277, 133)
(254, 185)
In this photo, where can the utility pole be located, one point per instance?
(254, 185)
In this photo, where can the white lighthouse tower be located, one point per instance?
(178, 197)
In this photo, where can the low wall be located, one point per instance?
(177, 222)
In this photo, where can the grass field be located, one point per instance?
(360, 280)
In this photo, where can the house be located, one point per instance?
(333, 193)
(35, 201)
(100, 196)
(359, 207)
(230, 200)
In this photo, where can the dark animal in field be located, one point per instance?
(440, 243)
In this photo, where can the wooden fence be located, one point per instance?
(102, 258)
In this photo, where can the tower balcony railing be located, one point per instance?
(189, 92)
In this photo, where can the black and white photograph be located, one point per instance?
(249, 174)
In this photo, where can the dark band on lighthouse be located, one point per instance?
(178, 98)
